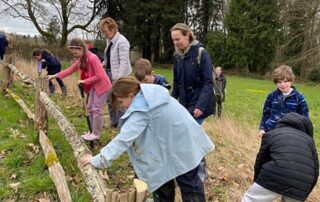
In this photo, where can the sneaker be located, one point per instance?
(86, 135)
(91, 137)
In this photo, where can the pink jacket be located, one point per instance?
(97, 79)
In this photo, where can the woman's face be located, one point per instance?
(109, 34)
(77, 52)
(125, 102)
(179, 40)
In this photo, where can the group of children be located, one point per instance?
(155, 130)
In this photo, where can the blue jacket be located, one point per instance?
(53, 64)
(3, 44)
(193, 83)
(276, 106)
(162, 139)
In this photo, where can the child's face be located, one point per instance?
(218, 71)
(148, 79)
(284, 85)
(77, 52)
(37, 57)
(125, 102)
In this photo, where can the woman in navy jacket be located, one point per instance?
(192, 78)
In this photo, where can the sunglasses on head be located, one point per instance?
(74, 47)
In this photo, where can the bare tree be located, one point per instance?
(70, 14)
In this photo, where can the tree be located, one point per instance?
(253, 32)
(69, 14)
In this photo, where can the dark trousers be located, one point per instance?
(218, 100)
(51, 86)
(191, 185)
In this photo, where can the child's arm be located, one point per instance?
(266, 113)
(74, 67)
(130, 131)
(262, 156)
(303, 106)
(97, 70)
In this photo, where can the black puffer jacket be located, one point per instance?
(287, 162)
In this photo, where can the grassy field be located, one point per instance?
(24, 175)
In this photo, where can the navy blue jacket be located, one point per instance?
(277, 105)
(161, 80)
(287, 162)
(53, 64)
(193, 83)
(3, 44)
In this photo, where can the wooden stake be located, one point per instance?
(141, 188)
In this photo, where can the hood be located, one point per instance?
(149, 97)
(296, 121)
(192, 45)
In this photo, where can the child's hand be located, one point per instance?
(261, 132)
(81, 82)
(51, 77)
(197, 112)
(86, 159)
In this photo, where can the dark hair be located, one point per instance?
(141, 68)
(37, 52)
(122, 88)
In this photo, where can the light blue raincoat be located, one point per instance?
(161, 137)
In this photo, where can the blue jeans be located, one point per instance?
(191, 185)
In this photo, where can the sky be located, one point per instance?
(17, 25)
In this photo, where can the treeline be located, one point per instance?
(246, 35)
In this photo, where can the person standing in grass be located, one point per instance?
(192, 79)
(143, 71)
(283, 100)
(97, 80)
(52, 65)
(116, 60)
(219, 89)
(287, 164)
(5, 41)
(155, 129)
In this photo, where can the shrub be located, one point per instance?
(314, 75)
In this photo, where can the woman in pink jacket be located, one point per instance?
(98, 81)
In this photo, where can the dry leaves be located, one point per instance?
(15, 186)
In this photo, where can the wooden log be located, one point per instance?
(41, 114)
(21, 75)
(56, 171)
(94, 182)
(7, 75)
(129, 196)
(141, 190)
(21, 103)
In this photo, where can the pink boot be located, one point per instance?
(91, 137)
(86, 135)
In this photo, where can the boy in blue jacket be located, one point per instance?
(283, 100)
(143, 71)
(53, 67)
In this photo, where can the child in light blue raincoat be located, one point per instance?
(163, 141)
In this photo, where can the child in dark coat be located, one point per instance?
(52, 65)
(287, 164)
(219, 89)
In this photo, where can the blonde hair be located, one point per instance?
(77, 42)
(142, 67)
(184, 29)
(110, 23)
(283, 72)
(122, 88)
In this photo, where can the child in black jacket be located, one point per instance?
(287, 163)
(52, 65)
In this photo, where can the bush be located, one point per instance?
(314, 75)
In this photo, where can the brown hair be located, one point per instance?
(37, 52)
(184, 29)
(76, 42)
(109, 22)
(283, 72)
(142, 67)
(122, 88)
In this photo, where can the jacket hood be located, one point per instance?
(296, 121)
(193, 44)
(149, 97)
